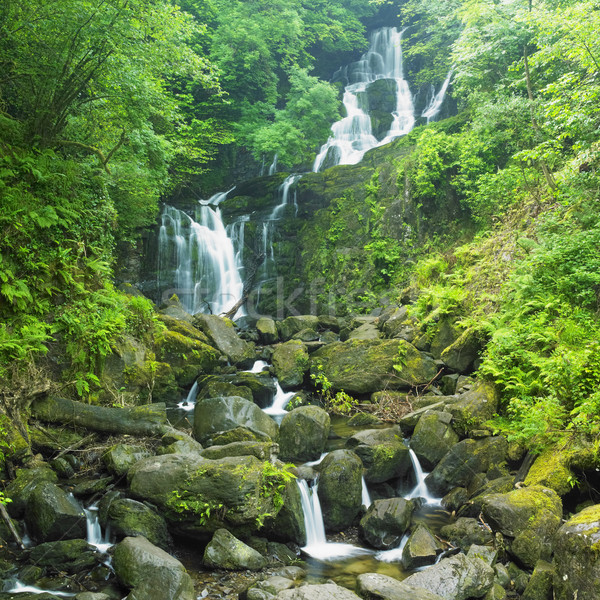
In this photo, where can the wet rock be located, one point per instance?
(262, 450)
(530, 516)
(421, 548)
(151, 572)
(367, 331)
(385, 522)
(178, 442)
(464, 461)
(72, 556)
(23, 485)
(447, 333)
(474, 407)
(383, 453)
(466, 531)
(214, 388)
(462, 352)
(267, 330)
(327, 591)
(486, 553)
(53, 515)
(131, 518)
(292, 325)
(576, 557)
(306, 335)
(455, 578)
(213, 416)
(269, 588)
(340, 489)
(374, 586)
(479, 490)
(539, 586)
(260, 384)
(433, 438)
(303, 433)
(290, 362)
(121, 457)
(225, 551)
(366, 366)
(455, 498)
(223, 336)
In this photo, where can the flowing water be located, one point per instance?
(435, 103)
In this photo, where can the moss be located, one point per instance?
(551, 469)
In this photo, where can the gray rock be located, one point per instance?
(447, 333)
(119, 458)
(214, 416)
(539, 586)
(303, 433)
(367, 331)
(225, 551)
(53, 515)
(223, 336)
(465, 531)
(92, 596)
(421, 548)
(267, 330)
(433, 438)
(23, 485)
(463, 352)
(327, 591)
(455, 578)
(375, 586)
(262, 450)
(474, 407)
(151, 572)
(178, 442)
(71, 556)
(340, 489)
(260, 384)
(290, 362)
(292, 325)
(385, 522)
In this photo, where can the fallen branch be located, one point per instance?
(6, 518)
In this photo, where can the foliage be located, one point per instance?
(183, 503)
(339, 403)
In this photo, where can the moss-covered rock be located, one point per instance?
(292, 325)
(447, 333)
(552, 469)
(383, 453)
(376, 585)
(462, 352)
(539, 586)
(465, 532)
(23, 485)
(262, 450)
(530, 516)
(366, 366)
(225, 551)
(260, 384)
(433, 438)
(290, 362)
(386, 521)
(474, 407)
(119, 458)
(303, 433)
(213, 387)
(577, 556)
(267, 330)
(340, 489)
(421, 548)
(72, 556)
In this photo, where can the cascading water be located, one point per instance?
(95, 537)
(366, 497)
(190, 402)
(420, 490)
(352, 136)
(435, 104)
(197, 261)
(280, 401)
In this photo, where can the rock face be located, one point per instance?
(224, 337)
(530, 516)
(151, 572)
(366, 366)
(53, 515)
(214, 416)
(340, 489)
(225, 551)
(303, 433)
(385, 522)
(433, 438)
(290, 361)
(383, 453)
(455, 578)
(576, 557)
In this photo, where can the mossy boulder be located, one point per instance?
(386, 521)
(182, 325)
(530, 517)
(214, 387)
(290, 362)
(225, 551)
(384, 587)
(433, 438)
(262, 450)
(383, 453)
(421, 548)
(303, 433)
(340, 489)
(465, 460)
(20, 489)
(539, 586)
(214, 416)
(446, 334)
(197, 496)
(72, 556)
(260, 384)
(178, 442)
(552, 469)
(366, 366)
(267, 330)
(465, 532)
(366, 331)
(474, 407)
(224, 337)
(119, 458)
(462, 352)
(151, 572)
(292, 325)
(577, 556)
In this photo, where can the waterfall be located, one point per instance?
(94, 531)
(420, 490)
(366, 498)
(277, 409)
(395, 554)
(353, 135)
(258, 367)
(435, 104)
(190, 401)
(21, 588)
(197, 260)
(273, 167)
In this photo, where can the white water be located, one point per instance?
(395, 554)
(19, 587)
(280, 401)
(258, 367)
(317, 545)
(273, 167)
(366, 498)
(420, 490)
(435, 104)
(190, 402)
(197, 261)
(353, 135)
(95, 537)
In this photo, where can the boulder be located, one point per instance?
(262, 450)
(386, 521)
(72, 556)
(225, 551)
(421, 548)
(303, 433)
(455, 578)
(576, 557)
(462, 352)
(446, 334)
(366, 366)
(340, 489)
(552, 469)
(326, 591)
(178, 442)
(23, 485)
(367, 331)
(120, 457)
(530, 516)
(306, 335)
(53, 515)
(466, 531)
(267, 330)
(290, 362)
(127, 517)
(433, 438)
(375, 586)
(223, 336)
(464, 461)
(474, 407)
(383, 453)
(214, 416)
(539, 586)
(151, 572)
(213, 387)
(292, 325)
(395, 323)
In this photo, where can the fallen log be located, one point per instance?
(150, 419)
